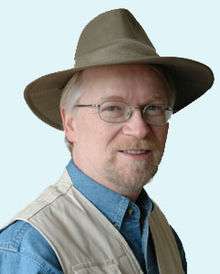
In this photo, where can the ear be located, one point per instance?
(68, 125)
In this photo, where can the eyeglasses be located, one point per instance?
(119, 112)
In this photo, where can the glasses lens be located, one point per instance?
(157, 115)
(113, 112)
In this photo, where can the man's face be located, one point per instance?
(101, 149)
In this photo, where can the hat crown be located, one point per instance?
(109, 29)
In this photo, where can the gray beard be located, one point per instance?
(142, 172)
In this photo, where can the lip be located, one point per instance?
(142, 156)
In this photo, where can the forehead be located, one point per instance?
(133, 83)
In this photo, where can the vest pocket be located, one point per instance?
(107, 267)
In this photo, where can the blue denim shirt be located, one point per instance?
(128, 217)
(24, 250)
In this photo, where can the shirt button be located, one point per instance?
(130, 211)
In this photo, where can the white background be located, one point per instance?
(39, 37)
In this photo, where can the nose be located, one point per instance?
(136, 126)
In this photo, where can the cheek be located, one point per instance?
(91, 135)
(94, 135)
(161, 134)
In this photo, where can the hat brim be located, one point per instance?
(191, 78)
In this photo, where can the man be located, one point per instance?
(114, 107)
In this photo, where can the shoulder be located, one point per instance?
(21, 240)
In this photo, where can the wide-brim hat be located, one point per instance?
(115, 37)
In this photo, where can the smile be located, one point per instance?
(134, 151)
(136, 154)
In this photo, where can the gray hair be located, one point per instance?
(72, 93)
(70, 97)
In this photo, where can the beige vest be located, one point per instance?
(83, 239)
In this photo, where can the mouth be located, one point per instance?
(138, 154)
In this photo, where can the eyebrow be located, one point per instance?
(115, 97)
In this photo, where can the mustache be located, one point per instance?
(138, 145)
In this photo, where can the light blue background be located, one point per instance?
(39, 37)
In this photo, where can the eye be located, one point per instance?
(113, 107)
(112, 110)
(154, 107)
(155, 110)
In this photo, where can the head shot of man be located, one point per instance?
(114, 108)
(117, 129)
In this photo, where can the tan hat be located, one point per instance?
(115, 37)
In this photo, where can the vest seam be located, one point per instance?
(49, 203)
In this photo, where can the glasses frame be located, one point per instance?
(142, 108)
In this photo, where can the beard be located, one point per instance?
(129, 175)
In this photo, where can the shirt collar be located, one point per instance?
(112, 204)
